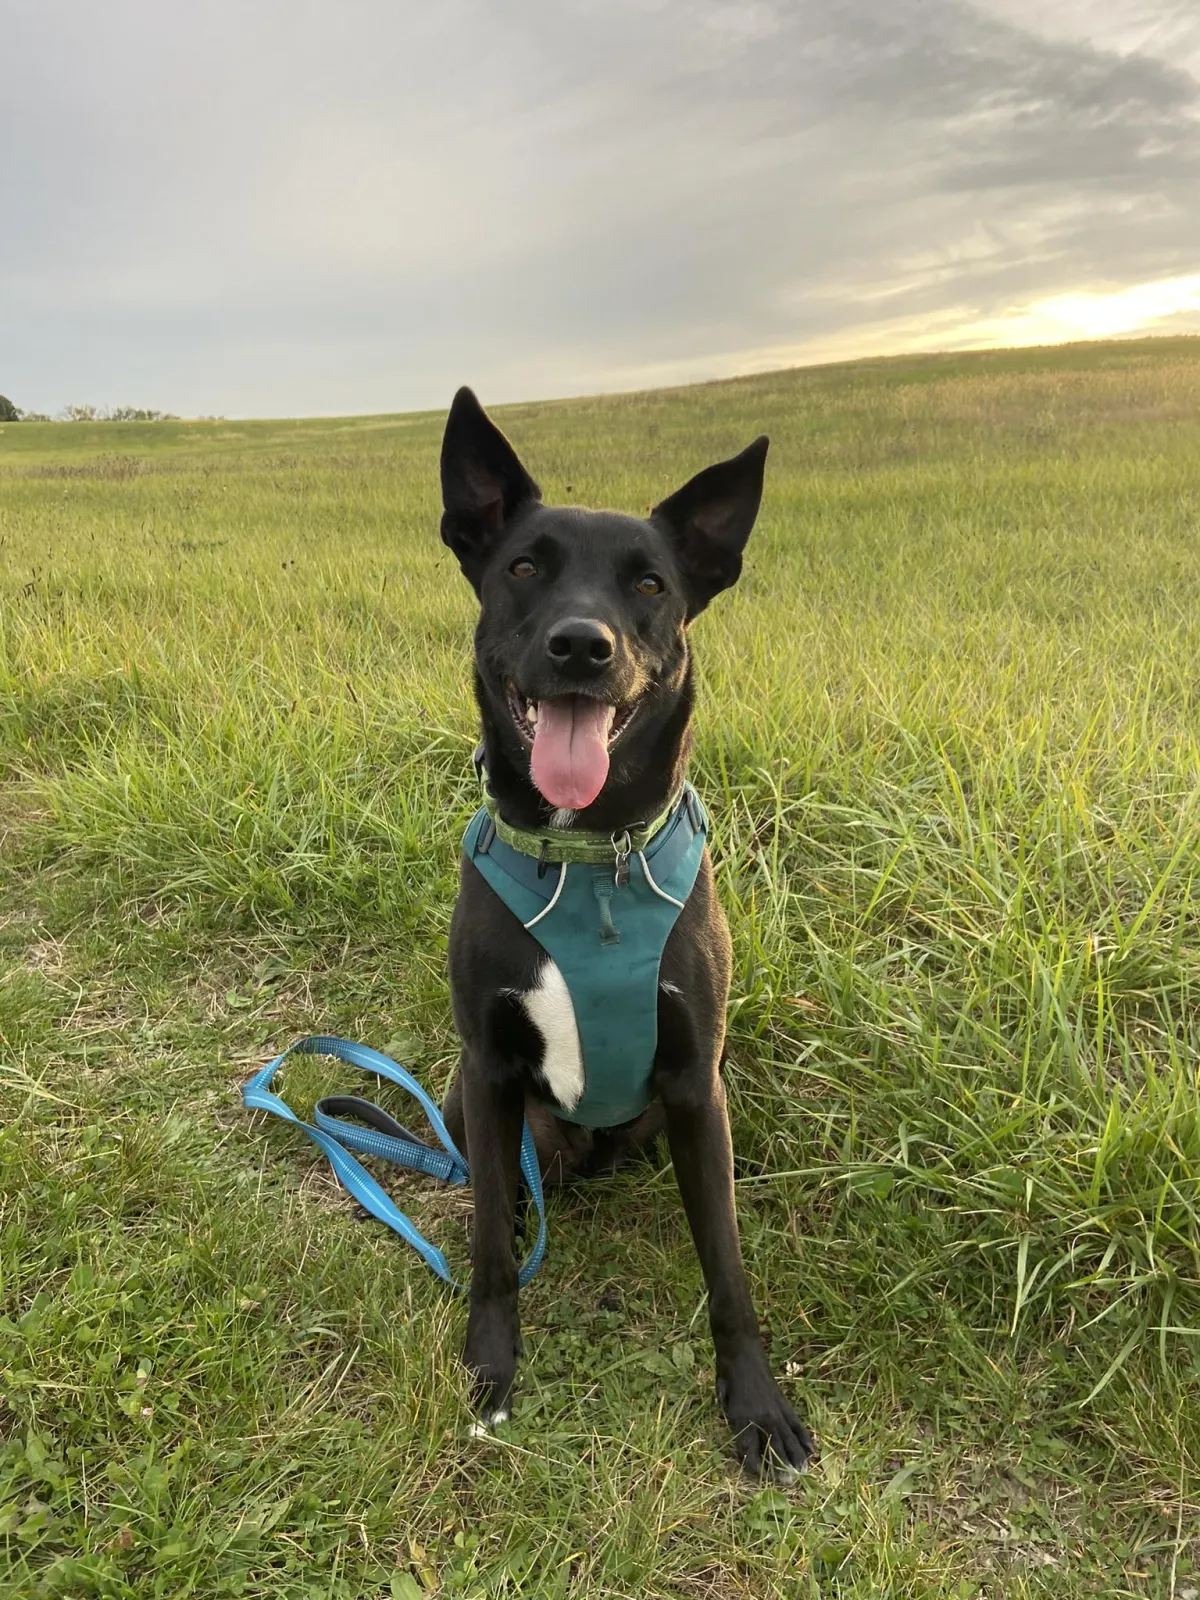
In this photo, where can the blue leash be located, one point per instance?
(389, 1141)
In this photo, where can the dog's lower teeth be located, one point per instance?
(531, 715)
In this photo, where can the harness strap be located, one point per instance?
(386, 1139)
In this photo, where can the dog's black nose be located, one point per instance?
(580, 646)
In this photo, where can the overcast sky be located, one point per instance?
(271, 207)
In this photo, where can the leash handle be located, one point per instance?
(386, 1139)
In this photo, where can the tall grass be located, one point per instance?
(948, 727)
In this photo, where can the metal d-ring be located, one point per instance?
(622, 845)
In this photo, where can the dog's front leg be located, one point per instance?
(494, 1106)
(767, 1433)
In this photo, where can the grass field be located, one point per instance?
(948, 726)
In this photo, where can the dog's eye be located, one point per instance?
(523, 567)
(650, 583)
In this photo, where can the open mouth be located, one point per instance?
(570, 739)
(525, 713)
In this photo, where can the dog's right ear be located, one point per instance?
(483, 484)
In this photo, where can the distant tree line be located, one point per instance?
(12, 413)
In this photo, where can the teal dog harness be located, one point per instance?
(601, 907)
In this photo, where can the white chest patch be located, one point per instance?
(548, 1006)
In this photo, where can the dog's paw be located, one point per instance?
(768, 1437)
(490, 1355)
(487, 1424)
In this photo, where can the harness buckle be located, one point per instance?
(694, 811)
(622, 845)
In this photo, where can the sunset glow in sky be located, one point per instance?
(256, 208)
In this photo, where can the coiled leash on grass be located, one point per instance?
(388, 1140)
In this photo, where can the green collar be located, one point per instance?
(575, 844)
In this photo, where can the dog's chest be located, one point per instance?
(548, 1006)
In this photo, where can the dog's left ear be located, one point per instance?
(483, 484)
(709, 520)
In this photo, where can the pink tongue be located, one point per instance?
(570, 750)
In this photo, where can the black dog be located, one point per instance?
(583, 623)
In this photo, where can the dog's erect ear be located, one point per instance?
(709, 521)
(483, 484)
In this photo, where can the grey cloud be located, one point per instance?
(254, 207)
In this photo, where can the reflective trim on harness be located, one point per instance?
(553, 900)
